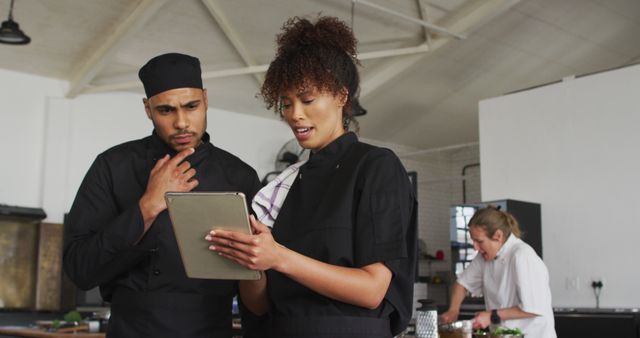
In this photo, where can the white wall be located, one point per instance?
(22, 110)
(50, 141)
(573, 147)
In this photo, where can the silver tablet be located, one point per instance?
(193, 215)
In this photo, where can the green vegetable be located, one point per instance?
(73, 316)
(503, 331)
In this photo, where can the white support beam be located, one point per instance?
(383, 73)
(424, 15)
(373, 80)
(232, 36)
(465, 19)
(258, 69)
(205, 76)
(424, 23)
(99, 57)
(473, 14)
(435, 150)
(378, 54)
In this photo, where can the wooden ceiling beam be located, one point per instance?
(99, 57)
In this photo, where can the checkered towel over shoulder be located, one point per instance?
(267, 202)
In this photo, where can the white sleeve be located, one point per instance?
(472, 277)
(532, 280)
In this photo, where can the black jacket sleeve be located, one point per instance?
(99, 239)
(387, 230)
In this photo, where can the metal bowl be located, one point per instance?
(457, 329)
(460, 325)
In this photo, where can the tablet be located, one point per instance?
(193, 215)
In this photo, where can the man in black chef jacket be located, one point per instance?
(119, 236)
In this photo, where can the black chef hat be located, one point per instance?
(170, 71)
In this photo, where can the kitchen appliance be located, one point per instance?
(427, 319)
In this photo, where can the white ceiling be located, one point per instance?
(426, 99)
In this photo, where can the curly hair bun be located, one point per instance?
(328, 32)
(320, 55)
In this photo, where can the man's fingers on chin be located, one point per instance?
(179, 157)
(183, 154)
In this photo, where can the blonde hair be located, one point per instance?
(491, 219)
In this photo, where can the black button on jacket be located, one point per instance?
(150, 293)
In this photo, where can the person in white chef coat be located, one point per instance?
(509, 274)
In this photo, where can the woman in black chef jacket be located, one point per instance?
(340, 257)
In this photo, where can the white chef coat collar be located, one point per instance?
(511, 241)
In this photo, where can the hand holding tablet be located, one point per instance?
(193, 215)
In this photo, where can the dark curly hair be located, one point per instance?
(320, 55)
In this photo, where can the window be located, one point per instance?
(461, 244)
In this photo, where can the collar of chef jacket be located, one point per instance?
(511, 241)
(330, 154)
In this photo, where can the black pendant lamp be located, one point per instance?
(10, 32)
